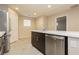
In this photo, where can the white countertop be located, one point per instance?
(1, 33)
(63, 33)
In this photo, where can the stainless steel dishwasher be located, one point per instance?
(55, 45)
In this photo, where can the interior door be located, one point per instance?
(13, 26)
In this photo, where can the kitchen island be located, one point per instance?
(69, 45)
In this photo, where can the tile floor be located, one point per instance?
(23, 47)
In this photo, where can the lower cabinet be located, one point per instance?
(38, 41)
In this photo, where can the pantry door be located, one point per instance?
(13, 26)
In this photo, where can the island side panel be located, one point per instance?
(66, 45)
(73, 46)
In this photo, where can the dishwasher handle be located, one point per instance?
(55, 37)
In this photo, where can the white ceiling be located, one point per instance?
(40, 9)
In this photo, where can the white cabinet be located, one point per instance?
(73, 46)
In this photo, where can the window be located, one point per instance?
(27, 23)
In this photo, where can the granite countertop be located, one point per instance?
(63, 33)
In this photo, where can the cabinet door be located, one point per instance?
(38, 41)
(41, 42)
(34, 39)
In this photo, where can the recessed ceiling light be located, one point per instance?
(35, 13)
(16, 8)
(49, 6)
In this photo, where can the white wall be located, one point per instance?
(41, 23)
(51, 23)
(72, 20)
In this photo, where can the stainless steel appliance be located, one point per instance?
(55, 45)
(4, 26)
